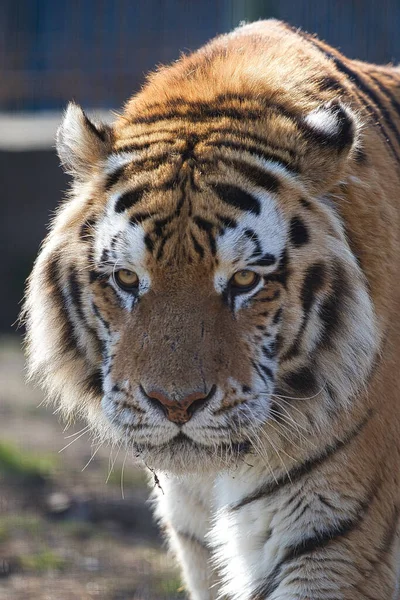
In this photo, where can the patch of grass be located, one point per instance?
(81, 530)
(26, 523)
(170, 585)
(16, 462)
(5, 532)
(43, 561)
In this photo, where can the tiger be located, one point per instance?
(219, 295)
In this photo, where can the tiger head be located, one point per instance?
(197, 288)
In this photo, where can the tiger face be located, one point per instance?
(197, 279)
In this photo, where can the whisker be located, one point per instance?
(93, 455)
(291, 428)
(110, 470)
(288, 416)
(263, 456)
(73, 441)
(301, 397)
(292, 407)
(122, 475)
(67, 437)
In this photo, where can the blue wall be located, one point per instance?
(97, 51)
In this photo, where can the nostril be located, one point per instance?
(157, 400)
(199, 403)
(178, 411)
(158, 404)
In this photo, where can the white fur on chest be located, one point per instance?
(244, 547)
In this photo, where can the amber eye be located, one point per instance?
(127, 280)
(245, 280)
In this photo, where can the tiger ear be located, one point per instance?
(80, 143)
(331, 133)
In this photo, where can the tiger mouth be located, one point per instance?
(182, 443)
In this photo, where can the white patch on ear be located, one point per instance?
(334, 122)
(323, 120)
(81, 143)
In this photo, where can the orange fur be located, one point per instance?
(255, 88)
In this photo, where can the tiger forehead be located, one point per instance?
(166, 164)
(222, 224)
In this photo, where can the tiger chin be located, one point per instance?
(220, 294)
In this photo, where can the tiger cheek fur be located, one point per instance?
(220, 294)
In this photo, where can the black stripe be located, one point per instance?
(99, 132)
(269, 352)
(256, 175)
(302, 382)
(203, 224)
(264, 376)
(138, 218)
(198, 247)
(114, 177)
(237, 197)
(160, 249)
(66, 332)
(93, 384)
(305, 203)
(282, 272)
(393, 102)
(132, 146)
(266, 260)
(183, 104)
(253, 237)
(148, 163)
(390, 533)
(105, 257)
(206, 226)
(129, 199)
(149, 243)
(331, 310)
(215, 107)
(100, 317)
(75, 290)
(244, 137)
(298, 232)
(180, 201)
(277, 318)
(331, 84)
(267, 371)
(199, 113)
(340, 528)
(86, 229)
(255, 151)
(313, 282)
(299, 471)
(360, 156)
(159, 225)
(227, 221)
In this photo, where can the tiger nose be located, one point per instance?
(180, 411)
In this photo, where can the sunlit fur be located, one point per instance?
(265, 150)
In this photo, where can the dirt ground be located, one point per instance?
(66, 533)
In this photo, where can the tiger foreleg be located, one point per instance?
(183, 510)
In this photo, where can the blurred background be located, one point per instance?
(75, 525)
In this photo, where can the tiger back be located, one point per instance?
(220, 293)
